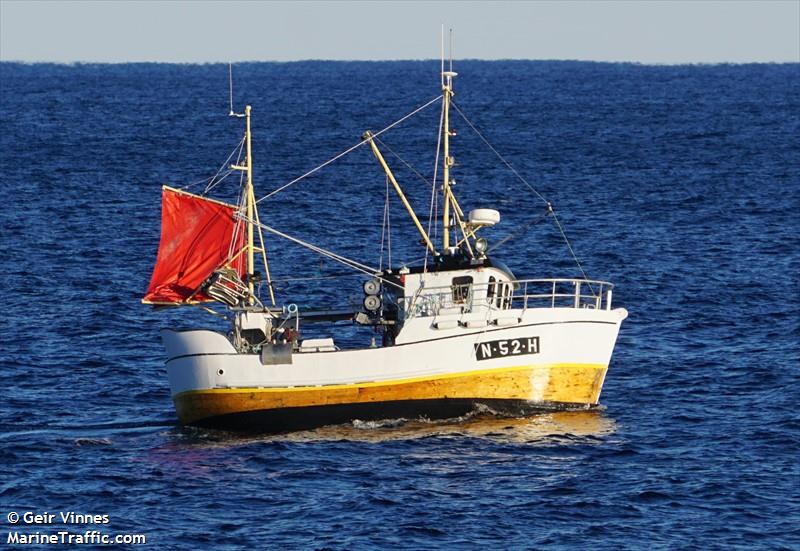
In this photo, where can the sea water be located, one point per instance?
(680, 184)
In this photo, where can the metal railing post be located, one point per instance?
(525, 291)
(577, 294)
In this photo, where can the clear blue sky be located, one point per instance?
(644, 31)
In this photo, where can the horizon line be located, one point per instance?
(420, 60)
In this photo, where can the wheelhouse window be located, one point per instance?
(490, 290)
(505, 291)
(461, 288)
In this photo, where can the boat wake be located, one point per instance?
(481, 422)
(379, 424)
(84, 435)
(477, 411)
(521, 425)
(482, 410)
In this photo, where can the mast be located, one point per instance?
(251, 201)
(447, 92)
(252, 217)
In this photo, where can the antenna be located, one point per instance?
(451, 50)
(442, 56)
(230, 86)
(232, 113)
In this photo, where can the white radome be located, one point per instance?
(484, 217)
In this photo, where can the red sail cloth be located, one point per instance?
(196, 236)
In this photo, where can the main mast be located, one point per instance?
(447, 93)
(251, 203)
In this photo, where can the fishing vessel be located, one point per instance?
(457, 331)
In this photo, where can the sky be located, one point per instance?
(208, 31)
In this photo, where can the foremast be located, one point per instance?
(252, 220)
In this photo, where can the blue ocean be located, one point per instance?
(680, 184)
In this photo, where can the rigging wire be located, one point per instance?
(399, 158)
(499, 156)
(388, 223)
(564, 235)
(383, 224)
(210, 311)
(434, 195)
(211, 185)
(241, 203)
(353, 264)
(350, 149)
(210, 181)
(213, 182)
(237, 229)
(313, 278)
(196, 182)
(520, 230)
(524, 181)
(386, 229)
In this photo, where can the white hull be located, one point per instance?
(578, 341)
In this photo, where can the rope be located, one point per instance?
(211, 185)
(349, 150)
(388, 223)
(434, 204)
(196, 182)
(564, 235)
(383, 224)
(423, 178)
(399, 158)
(313, 278)
(241, 202)
(211, 180)
(524, 181)
(210, 311)
(238, 227)
(319, 250)
(384, 227)
(511, 168)
(355, 265)
(519, 231)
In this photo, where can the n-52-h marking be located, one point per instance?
(506, 347)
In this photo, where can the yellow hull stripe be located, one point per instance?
(566, 383)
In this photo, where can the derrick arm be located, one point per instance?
(427, 240)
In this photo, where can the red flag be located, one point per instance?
(196, 238)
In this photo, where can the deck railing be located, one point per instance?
(509, 295)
